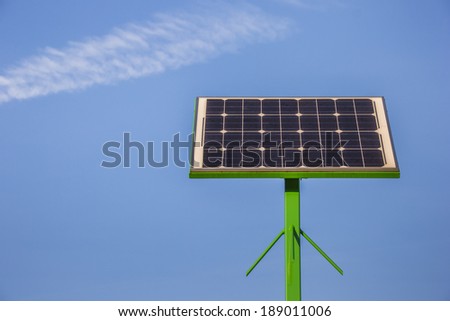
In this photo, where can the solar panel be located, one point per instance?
(292, 137)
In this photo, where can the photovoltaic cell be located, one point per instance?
(271, 106)
(215, 106)
(252, 106)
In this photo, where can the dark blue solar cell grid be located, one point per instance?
(289, 133)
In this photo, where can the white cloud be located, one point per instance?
(136, 50)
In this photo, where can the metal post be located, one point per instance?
(292, 238)
(292, 232)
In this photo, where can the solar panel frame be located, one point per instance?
(267, 109)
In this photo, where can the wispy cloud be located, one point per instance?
(166, 42)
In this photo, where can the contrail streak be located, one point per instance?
(166, 42)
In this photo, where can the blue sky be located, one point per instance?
(74, 76)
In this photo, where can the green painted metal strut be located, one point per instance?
(322, 252)
(264, 253)
(292, 239)
(292, 232)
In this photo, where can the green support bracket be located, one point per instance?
(264, 253)
(322, 252)
(292, 232)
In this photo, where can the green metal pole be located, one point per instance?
(292, 238)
